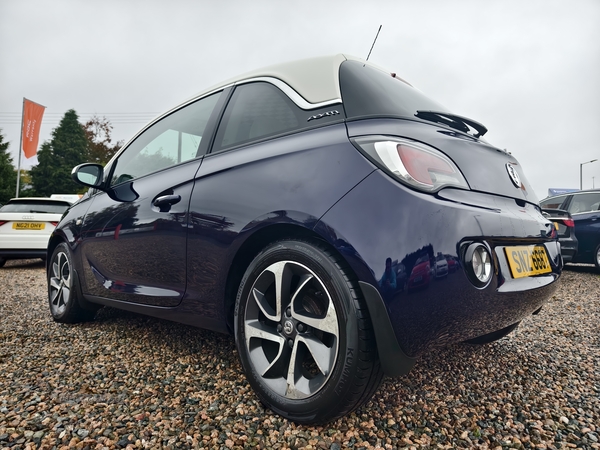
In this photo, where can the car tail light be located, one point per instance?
(569, 222)
(2, 222)
(413, 163)
(54, 223)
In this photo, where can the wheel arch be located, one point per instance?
(53, 242)
(393, 359)
(250, 248)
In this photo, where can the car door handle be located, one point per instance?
(167, 200)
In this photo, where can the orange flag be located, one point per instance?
(32, 121)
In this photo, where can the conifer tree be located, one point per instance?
(8, 172)
(57, 157)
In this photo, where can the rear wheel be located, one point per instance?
(303, 333)
(2, 262)
(492, 337)
(597, 258)
(62, 292)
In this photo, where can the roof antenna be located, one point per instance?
(374, 42)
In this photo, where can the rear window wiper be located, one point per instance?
(453, 121)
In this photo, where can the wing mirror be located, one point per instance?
(88, 174)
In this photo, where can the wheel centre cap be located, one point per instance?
(288, 327)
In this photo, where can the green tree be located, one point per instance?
(8, 172)
(57, 157)
(100, 147)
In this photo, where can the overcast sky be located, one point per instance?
(528, 70)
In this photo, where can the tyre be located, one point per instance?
(597, 258)
(303, 333)
(2, 262)
(62, 292)
(492, 337)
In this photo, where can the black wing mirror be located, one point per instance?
(88, 174)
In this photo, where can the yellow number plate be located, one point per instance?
(28, 226)
(527, 260)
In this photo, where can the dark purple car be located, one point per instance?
(278, 206)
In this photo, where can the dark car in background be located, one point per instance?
(584, 207)
(285, 205)
(565, 228)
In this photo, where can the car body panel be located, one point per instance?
(414, 223)
(239, 192)
(133, 251)
(587, 230)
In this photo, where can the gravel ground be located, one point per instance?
(131, 381)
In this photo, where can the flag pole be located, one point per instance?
(20, 150)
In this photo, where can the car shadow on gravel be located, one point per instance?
(17, 264)
(177, 338)
(582, 268)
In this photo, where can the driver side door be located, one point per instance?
(134, 236)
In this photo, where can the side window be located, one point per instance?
(172, 140)
(584, 203)
(553, 203)
(255, 111)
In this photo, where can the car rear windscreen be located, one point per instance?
(38, 206)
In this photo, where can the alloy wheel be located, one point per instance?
(60, 283)
(291, 330)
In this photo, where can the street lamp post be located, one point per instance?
(581, 173)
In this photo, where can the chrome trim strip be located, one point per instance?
(291, 93)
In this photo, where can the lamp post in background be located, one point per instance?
(581, 173)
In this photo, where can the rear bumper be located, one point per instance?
(382, 219)
(23, 242)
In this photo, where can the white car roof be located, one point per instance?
(315, 79)
(45, 199)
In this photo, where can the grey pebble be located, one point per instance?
(125, 378)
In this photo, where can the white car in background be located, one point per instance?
(26, 225)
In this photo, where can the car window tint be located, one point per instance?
(172, 140)
(35, 207)
(256, 110)
(584, 203)
(554, 202)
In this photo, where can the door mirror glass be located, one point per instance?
(88, 175)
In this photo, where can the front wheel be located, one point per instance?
(62, 293)
(597, 258)
(304, 335)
